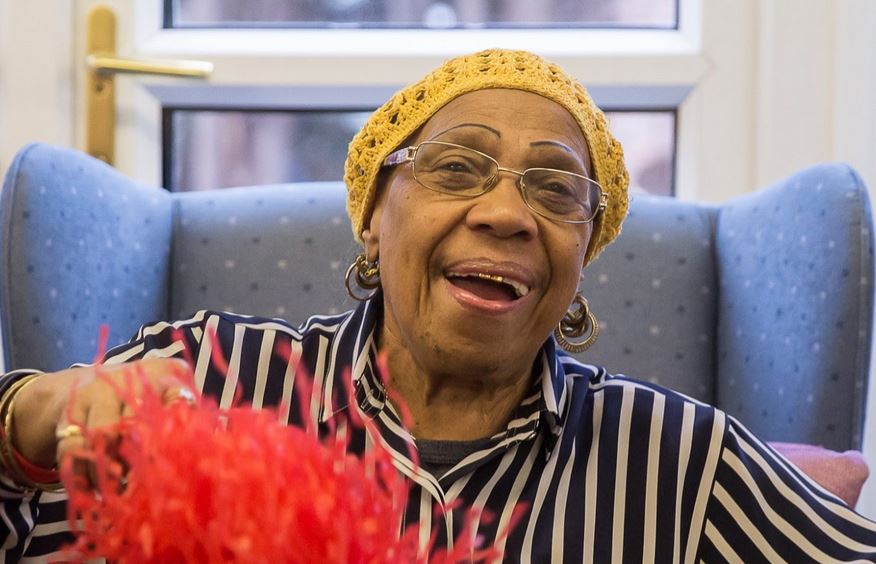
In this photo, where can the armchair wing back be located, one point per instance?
(82, 246)
(762, 306)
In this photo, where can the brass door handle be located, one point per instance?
(109, 64)
(103, 65)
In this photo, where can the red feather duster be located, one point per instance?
(193, 483)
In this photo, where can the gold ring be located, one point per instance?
(68, 432)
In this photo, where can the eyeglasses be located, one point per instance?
(457, 170)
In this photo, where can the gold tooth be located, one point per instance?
(483, 276)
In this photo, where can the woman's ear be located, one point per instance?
(371, 235)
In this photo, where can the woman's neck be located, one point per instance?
(453, 405)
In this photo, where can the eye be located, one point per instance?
(450, 168)
(447, 162)
(556, 192)
(557, 188)
(455, 166)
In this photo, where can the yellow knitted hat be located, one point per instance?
(412, 106)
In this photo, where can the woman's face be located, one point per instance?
(434, 248)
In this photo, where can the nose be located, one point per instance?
(502, 211)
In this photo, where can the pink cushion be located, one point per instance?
(841, 473)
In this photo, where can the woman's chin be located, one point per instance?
(476, 328)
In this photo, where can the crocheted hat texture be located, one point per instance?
(412, 106)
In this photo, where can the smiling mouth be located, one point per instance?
(490, 287)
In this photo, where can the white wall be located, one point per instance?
(855, 87)
(36, 77)
(816, 86)
(36, 74)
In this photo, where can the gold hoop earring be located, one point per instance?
(577, 321)
(365, 274)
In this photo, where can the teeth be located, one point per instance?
(519, 288)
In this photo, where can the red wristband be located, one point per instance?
(36, 473)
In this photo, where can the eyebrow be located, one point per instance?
(555, 143)
(482, 126)
(564, 147)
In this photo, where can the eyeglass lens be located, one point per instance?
(454, 169)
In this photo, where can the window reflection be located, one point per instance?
(217, 149)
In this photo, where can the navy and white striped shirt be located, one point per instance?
(610, 469)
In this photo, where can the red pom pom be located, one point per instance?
(193, 483)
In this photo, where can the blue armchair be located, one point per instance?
(762, 306)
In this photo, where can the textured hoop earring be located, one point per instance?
(577, 321)
(365, 274)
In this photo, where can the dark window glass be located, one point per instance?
(422, 13)
(207, 149)
(648, 139)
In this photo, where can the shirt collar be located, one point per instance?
(553, 387)
(368, 387)
(360, 337)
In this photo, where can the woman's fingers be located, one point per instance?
(104, 395)
(70, 437)
(94, 405)
(70, 429)
(179, 393)
(71, 440)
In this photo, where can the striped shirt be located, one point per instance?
(609, 469)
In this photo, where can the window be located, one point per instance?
(446, 14)
(215, 149)
(311, 79)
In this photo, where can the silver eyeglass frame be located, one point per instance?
(407, 155)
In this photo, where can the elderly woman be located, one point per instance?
(478, 194)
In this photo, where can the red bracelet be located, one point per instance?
(36, 473)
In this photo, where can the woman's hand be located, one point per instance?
(82, 397)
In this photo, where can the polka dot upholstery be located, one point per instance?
(762, 306)
(795, 308)
(82, 246)
(654, 294)
(276, 251)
